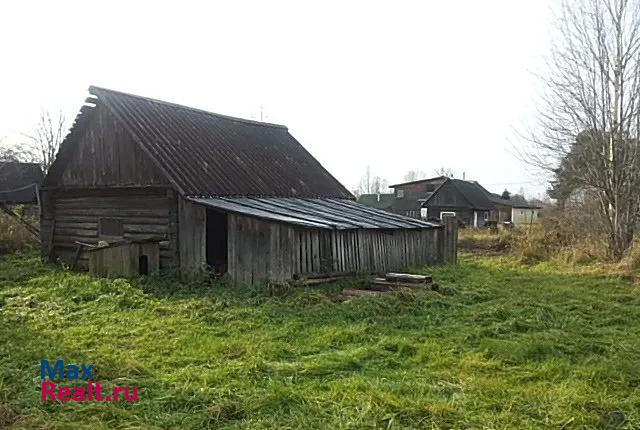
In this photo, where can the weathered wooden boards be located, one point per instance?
(259, 250)
(449, 240)
(193, 238)
(392, 282)
(108, 156)
(359, 293)
(125, 260)
(407, 277)
(74, 216)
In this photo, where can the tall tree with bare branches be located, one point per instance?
(47, 137)
(444, 171)
(414, 175)
(16, 152)
(590, 120)
(371, 184)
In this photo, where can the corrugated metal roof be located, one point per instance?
(474, 194)
(207, 154)
(470, 190)
(335, 214)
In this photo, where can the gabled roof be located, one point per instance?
(470, 190)
(18, 180)
(207, 154)
(437, 179)
(474, 193)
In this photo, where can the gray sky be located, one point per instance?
(395, 85)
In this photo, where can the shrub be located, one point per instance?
(13, 235)
(558, 237)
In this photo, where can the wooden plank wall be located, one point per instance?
(449, 240)
(123, 260)
(366, 251)
(107, 155)
(260, 250)
(192, 222)
(72, 216)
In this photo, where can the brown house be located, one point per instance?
(212, 192)
(470, 202)
(435, 197)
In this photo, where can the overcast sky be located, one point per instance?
(395, 85)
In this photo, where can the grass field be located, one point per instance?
(504, 346)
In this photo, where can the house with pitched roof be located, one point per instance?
(191, 191)
(470, 202)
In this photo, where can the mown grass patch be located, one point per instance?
(507, 347)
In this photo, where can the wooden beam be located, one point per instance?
(28, 226)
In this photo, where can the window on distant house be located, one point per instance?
(446, 213)
(400, 194)
(424, 213)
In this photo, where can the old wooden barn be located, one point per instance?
(214, 193)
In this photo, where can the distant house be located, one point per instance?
(515, 209)
(202, 191)
(470, 202)
(378, 201)
(435, 197)
(523, 212)
(19, 182)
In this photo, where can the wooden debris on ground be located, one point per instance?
(359, 293)
(393, 282)
(407, 278)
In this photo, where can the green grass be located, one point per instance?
(504, 346)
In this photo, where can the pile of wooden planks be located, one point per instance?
(393, 282)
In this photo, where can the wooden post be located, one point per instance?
(450, 239)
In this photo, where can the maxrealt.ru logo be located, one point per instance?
(92, 392)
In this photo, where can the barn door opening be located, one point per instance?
(217, 241)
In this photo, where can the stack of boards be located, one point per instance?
(393, 282)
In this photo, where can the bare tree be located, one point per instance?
(371, 184)
(590, 119)
(444, 171)
(414, 175)
(15, 152)
(47, 137)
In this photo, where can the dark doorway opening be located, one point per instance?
(217, 241)
(143, 265)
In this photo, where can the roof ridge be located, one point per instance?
(94, 88)
(418, 181)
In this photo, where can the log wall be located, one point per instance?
(73, 215)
